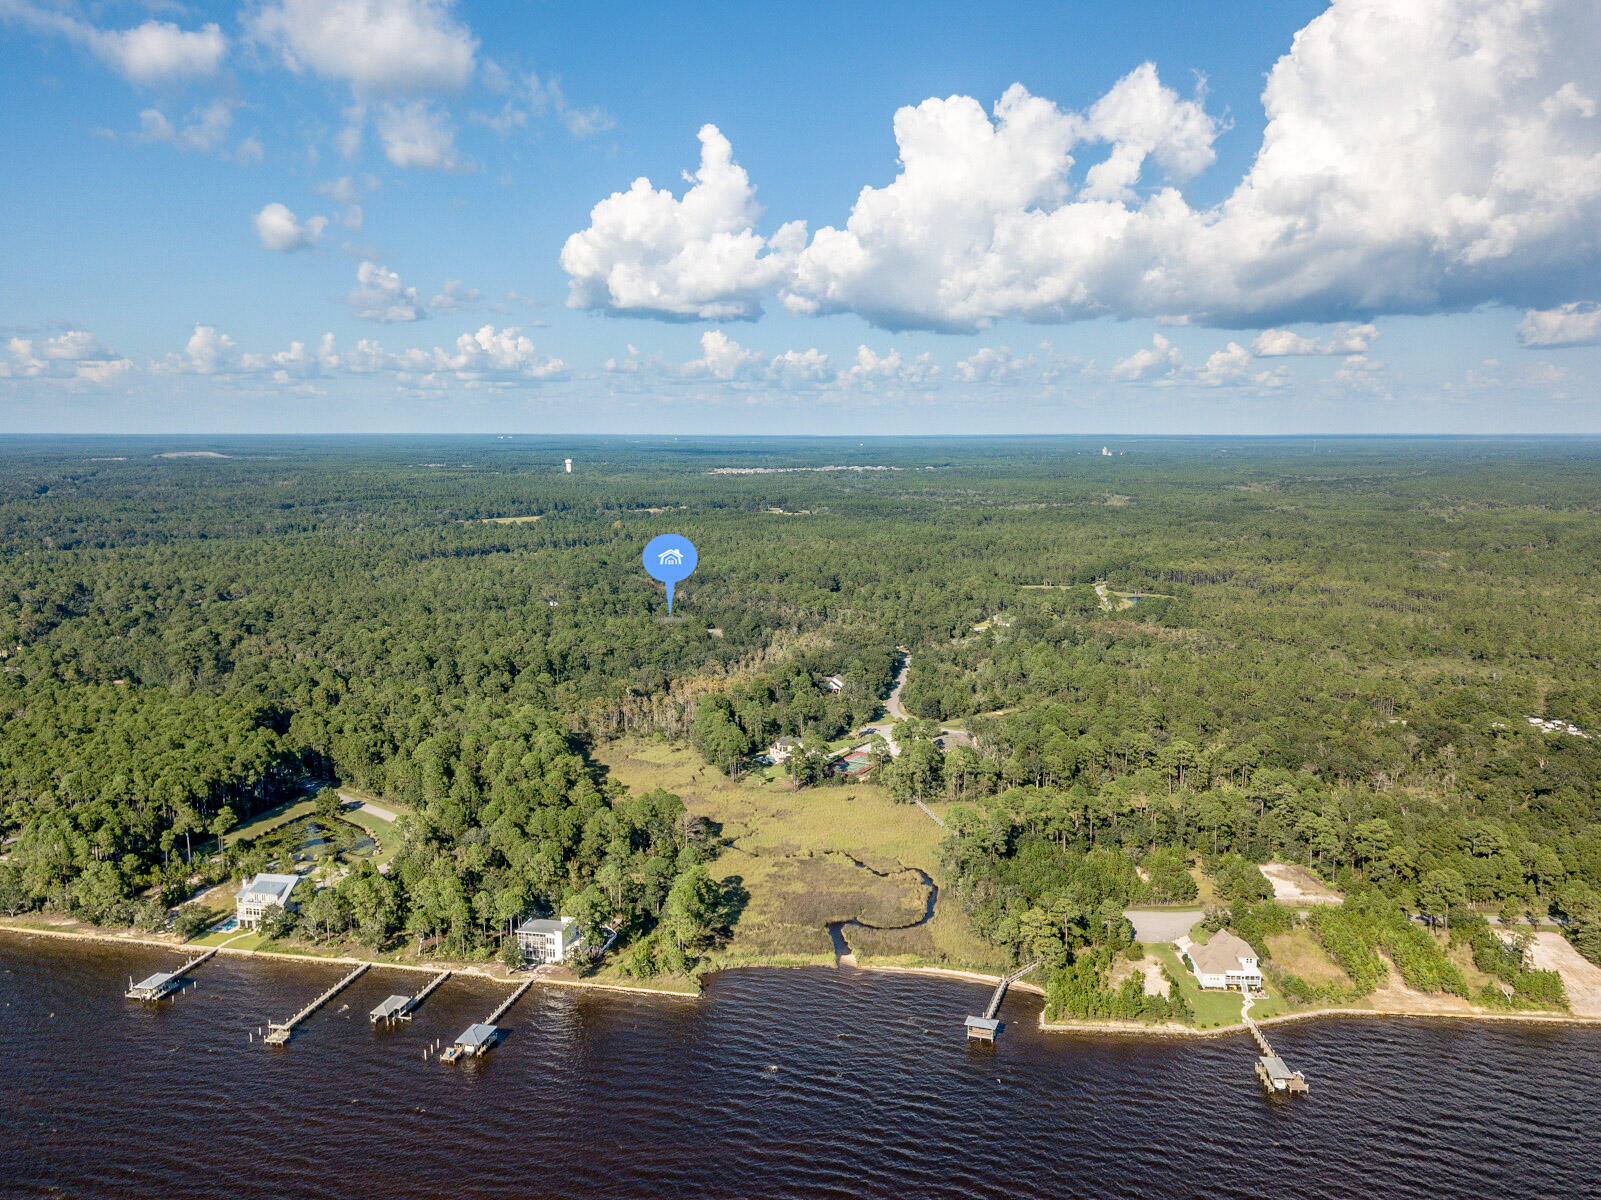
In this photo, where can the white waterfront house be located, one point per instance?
(260, 894)
(1225, 961)
(544, 941)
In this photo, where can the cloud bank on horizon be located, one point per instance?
(1418, 157)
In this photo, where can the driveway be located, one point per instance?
(1162, 926)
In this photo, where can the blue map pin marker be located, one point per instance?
(670, 558)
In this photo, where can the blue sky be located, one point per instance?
(413, 215)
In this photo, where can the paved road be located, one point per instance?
(896, 713)
(893, 704)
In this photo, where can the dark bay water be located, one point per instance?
(807, 1083)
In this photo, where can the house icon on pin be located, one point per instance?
(671, 558)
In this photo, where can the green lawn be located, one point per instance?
(1214, 1009)
(383, 832)
(268, 821)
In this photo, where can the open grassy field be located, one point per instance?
(800, 859)
(265, 822)
(1298, 953)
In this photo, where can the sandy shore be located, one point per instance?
(1138, 1028)
(1134, 1028)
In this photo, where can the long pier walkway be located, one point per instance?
(164, 983)
(986, 1027)
(508, 1002)
(1270, 1068)
(278, 1034)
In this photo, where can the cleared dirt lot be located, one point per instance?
(1582, 978)
(1297, 885)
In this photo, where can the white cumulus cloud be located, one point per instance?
(379, 295)
(649, 253)
(1281, 343)
(76, 354)
(1577, 324)
(279, 229)
(151, 54)
(410, 46)
(489, 356)
(1419, 156)
(204, 129)
(721, 357)
(1159, 359)
(416, 133)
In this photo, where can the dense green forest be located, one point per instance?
(1332, 659)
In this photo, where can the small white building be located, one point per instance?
(569, 463)
(1226, 961)
(545, 941)
(833, 683)
(780, 750)
(260, 894)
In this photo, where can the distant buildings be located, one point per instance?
(260, 894)
(569, 466)
(1226, 961)
(545, 941)
(780, 750)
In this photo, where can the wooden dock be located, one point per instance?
(508, 1002)
(164, 983)
(278, 1034)
(1270, 1068)
(985, 1028)
(399, 1008)
(480, 1037)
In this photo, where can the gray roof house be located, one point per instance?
(262, 892)
(546, 941)
(1225, 961)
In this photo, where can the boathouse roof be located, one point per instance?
(391, 1006)
(477, 1035)
(1276, 1070)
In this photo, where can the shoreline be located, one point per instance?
(1096, 1026)
(1169, 1029)
(479, 970)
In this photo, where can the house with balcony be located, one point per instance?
(261, 893)
(1223, 961)
(549, 941)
